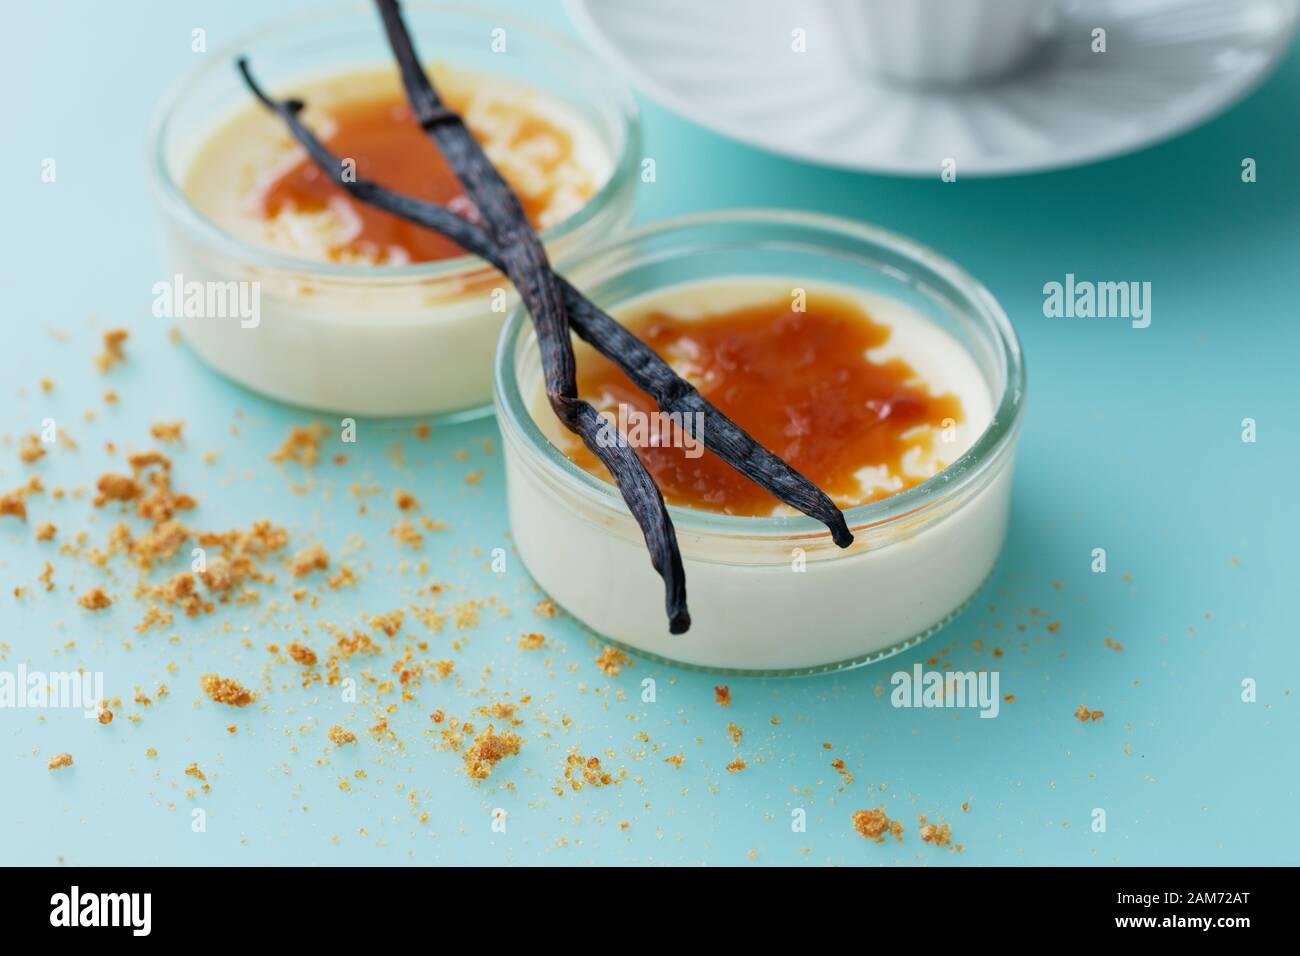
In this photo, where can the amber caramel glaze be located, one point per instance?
(389, 147)
(801, 383)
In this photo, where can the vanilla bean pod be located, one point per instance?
(638, 361)
(506, 240)
(524, 261)
(516, 251)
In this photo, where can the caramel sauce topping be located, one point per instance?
(389, 147)
(801, 383)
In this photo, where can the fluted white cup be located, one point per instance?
(938, 42)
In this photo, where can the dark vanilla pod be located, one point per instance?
(498, 231)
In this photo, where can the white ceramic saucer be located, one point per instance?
(728, 65)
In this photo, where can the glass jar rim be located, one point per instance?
(993, 444)
(178, 207)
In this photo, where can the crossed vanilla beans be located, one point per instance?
(497, 230)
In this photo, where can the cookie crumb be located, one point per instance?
(341, 737)
(113, 352)
(168, 432)
(314, 557)
(302, 654)
(940, 835)
(226, 691)
(30, 450)
(611, 660)
(95, 600)
(487, 750)
(301, 445)
(875, 824)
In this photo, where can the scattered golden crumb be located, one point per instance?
(14, 504)
(45, 531)
(314, 557)
(341, 737)
(105, 716)
(303, 655)
(193, 771)
(47, 385)
(389, 623)
(226, 691)
(406, 533)
(95, 600)
(580, 771)
(151, 753)
(60, 760)
(113, 352)
(875, 824)
(113, 487)
(532, 641)
(30, 449)
(1085, 715)
(301, 445)
(722, 695)
(465, 614)
(736, 766)
(676, 760)
(734, 732)
(940, 835)
(487, 750)
(611, 660)
(545, 607)
(405, 501)
(167, 431)
(343, 578)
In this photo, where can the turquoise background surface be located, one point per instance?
(1132, 443)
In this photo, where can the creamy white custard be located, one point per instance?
(359, 331)
(763, 599)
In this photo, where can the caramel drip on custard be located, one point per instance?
(801, 383)
(389, 147)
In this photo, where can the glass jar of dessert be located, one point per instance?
(283, 282)
(878, 369)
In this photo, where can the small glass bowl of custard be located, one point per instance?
(281, 281)
(875, 367)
